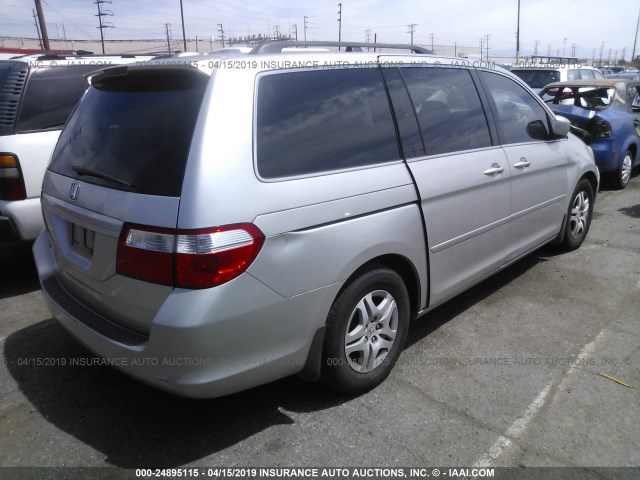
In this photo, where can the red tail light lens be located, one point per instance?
(11, 181)
(600, 128)
(188, 258)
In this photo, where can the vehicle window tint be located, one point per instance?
(321, 120)
(50, 96)
(519, 116)
(412, 145)
(448, 108)
(133, 132)
(573, 74)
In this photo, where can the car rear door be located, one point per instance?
(462, 178)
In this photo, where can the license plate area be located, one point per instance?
(82, 240)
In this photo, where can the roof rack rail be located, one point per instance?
(276, 46)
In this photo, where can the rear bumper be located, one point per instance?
(202, 343)
(607, 159)
(20, 221)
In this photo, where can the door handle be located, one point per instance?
(523, 163)
(494, 170)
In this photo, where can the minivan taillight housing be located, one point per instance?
(194, 259)
(11, 181)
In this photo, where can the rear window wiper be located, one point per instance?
(82, 170)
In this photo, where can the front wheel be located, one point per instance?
(579, 216)
(366, 331)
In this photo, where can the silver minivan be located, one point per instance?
(221, 224)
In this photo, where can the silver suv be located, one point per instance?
(215, 226)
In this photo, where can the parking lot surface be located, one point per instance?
(537, 366)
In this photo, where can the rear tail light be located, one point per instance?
(188, 258)
(600, 128)
(11, 181)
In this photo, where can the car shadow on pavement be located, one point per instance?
(135, 425)
(18, 273)
(439, 316)
(633, 211)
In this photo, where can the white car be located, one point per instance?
(538, 76)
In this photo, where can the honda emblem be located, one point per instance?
(74, 191)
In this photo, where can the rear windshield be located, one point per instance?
(50, 96)
(538, 78)
(589, 98)
(133, 132)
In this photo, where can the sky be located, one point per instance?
(585, 23)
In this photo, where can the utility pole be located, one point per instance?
(184, 36)
(564, 47)
(431, 35)
(624, 53)
(412, 28)
(518, 37)
(535, 47)
(487, 45)
(276, 32)
(295, 30)
(375, 40)
(35, 21)
(339, 24)
(573, 49)
(633, 53)
(481, 47)
(221, 33)
(549, 51)
(101, 23)
(601, 49)
(167, 31)
(43, 26)
(305, 28)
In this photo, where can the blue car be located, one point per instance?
(606, 115)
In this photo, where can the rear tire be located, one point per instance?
(578, 216)
(623, 175)
(366, 331)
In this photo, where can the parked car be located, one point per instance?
(537, 77)
(606, 114)
(210, 233)
(37, 94)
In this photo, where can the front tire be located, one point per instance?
(366, 330)
(579, 216)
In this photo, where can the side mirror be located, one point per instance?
(561, 126)
(537, 130)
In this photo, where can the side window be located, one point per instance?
(519, 116)
(573, 74)
(410, 135)
(586, 75)
(322, 120)
(448, 108)
(50, 96)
